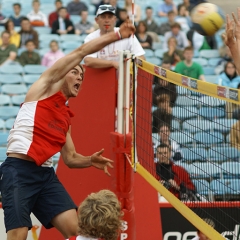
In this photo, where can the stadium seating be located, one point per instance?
(211, 112)
(187, 101)
(183, 113)
(208, 138)
(4, 100)
(49, 37)
(208, 101)
(159, 53)
(194, 154)
(18, 99)
(10, 78)
(223, 154)
(202, 186)
(211, 78)
(182, 137)
(70, 37)
(218, 188)
(231, 170)
(211, 53)
(3, 138)
(8, 112)
(154, 60)
(149, 53)
(213, 62)
(2, 124)
(9, 123)
(3, 155)
(69, 45)
(208, 71)
(11, 69)
(30, 78)
(201, 61)
(195, 126)
(14, 89)
(34, 69)
(223, 125)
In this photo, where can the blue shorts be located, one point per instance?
(27, 188)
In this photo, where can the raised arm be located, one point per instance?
(232, 37)
(56, 73)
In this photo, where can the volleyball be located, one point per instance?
(207, 18)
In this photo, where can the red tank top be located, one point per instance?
(40, 128)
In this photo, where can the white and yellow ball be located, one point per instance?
(207, 18)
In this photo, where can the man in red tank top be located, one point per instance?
(26, 185)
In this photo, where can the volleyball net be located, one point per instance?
(185, 143)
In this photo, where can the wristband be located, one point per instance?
(119, 35)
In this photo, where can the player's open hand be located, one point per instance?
(127, 29)
(100, 162)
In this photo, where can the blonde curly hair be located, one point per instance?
(99, 216)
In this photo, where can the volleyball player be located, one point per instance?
(41, 129)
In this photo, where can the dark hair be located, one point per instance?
(179, 7)
(58, 1)
(17, 4)
(189, 48)
(170, 12)
(5, 32)
(24, 19)
(54, 41)
(166, 62)
(144, 24)
(6, 24)
(35, 1)
(163, 124)
(123, 10)
(164, 145)
(62, 8)
(174, 25)
(148, 7)
(28, 41)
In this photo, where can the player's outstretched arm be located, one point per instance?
(232, 37)
(56, 73)
(75, 160)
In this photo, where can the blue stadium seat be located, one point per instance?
(224, 154)
(202, 186)
(43, 30)
(18, 99)
(183, 113)
(49, 37)
(43, 51)
(218, 187)
(69, 45)
(187, 101)
(4, 100)
(201, 61)
(71, 37)
(154, 60)
(183, 91)
(209, 101)
(209, 53)
(9, 123)
(223, 125)
(233, 187)
(160, 20)
(175, 125)
(231, 170)
(159, 53)
(156, 46)
(31, 78)
(208, 70)
(149, 53)
(211, 113)
(194, 154)
(75, 19)
(44, 44)
(2, 124)
(213, 62)
(182, 137)
(211, 78)
(34, 69)
(197, 125)
(3, 155)
(11, 78)
(3, 138)
(8, 111)
(14, 89)
(208, 138)
(11, 69)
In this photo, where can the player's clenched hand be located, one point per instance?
(100, 162)
(127, 29)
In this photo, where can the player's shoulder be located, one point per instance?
(93, 35)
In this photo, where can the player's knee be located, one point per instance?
(17, 234)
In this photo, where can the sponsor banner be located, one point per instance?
(185, 81)
(160, 71)
(175, 226)
(225, 92)
(139, 62)
(188, 82)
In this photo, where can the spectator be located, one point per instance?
(180, 36)
(3, 19)
(151, 24)
(84, 26)
(117, 9)
(62, 25)
(36, 17)
(163, 114)
(136, 11)
(173, 55)
(189, 68)
(186, 3)
(108, 56)
(175, 178)
(53, 55)
(142, 36)
(163, 86)
(123, 15)
(54, 15)
(200, 42)
(183, 17)
(166, 7)
(200, 235)
(14, 36)
(27, 33)
(75, 7)
(29, 56)
(17, 17)
(8, 52)
(166, 27)
(164, 138)
(229, 77)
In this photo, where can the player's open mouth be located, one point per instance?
(76, 86)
